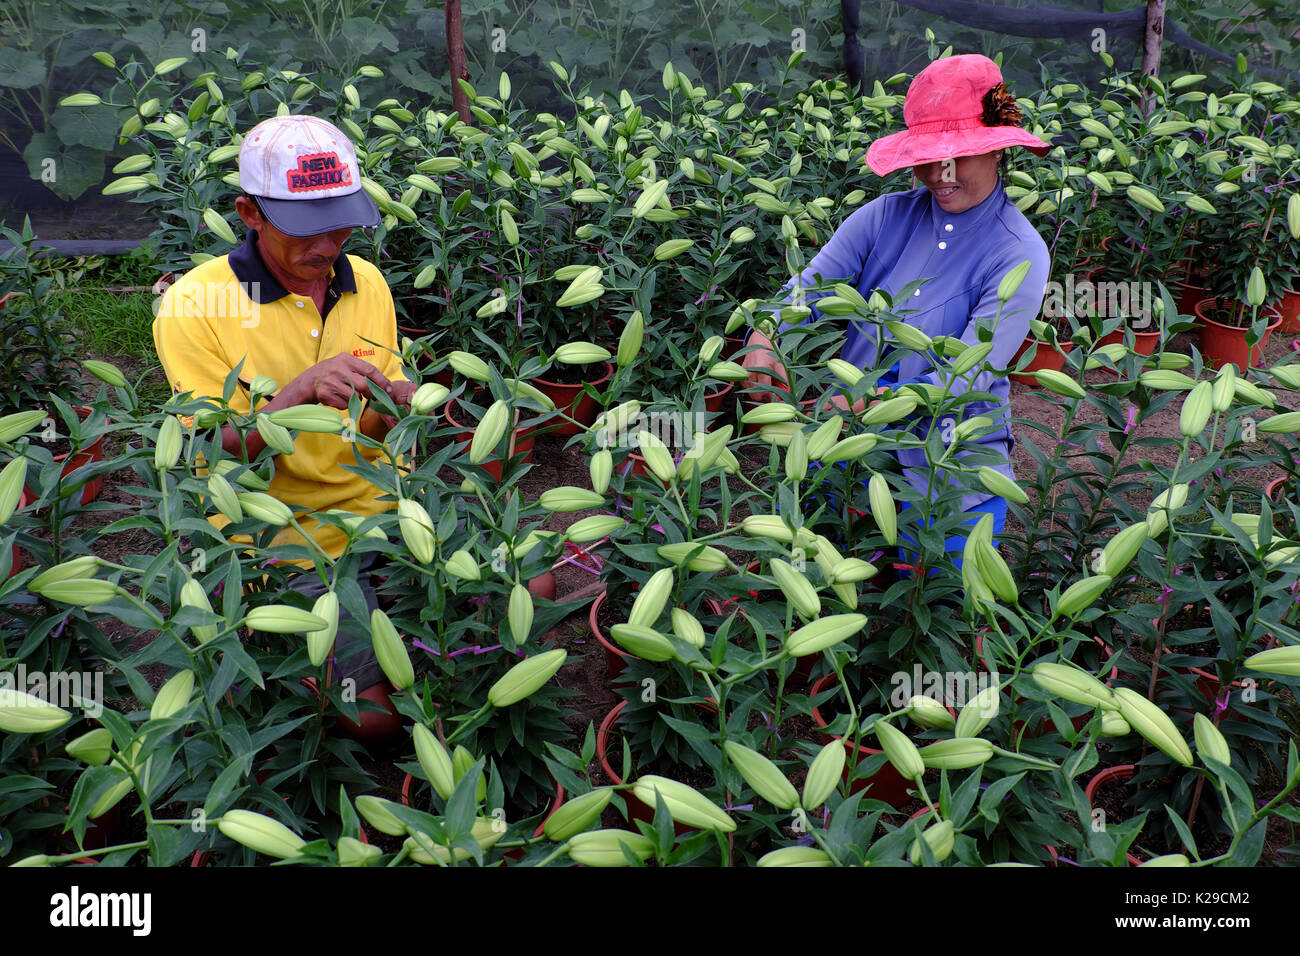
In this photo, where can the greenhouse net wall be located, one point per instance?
(55, 157)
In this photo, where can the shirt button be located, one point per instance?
(315, 333)
(947, 227)
(300, 304)
(943, 245)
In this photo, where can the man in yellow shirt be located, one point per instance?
(288, 304)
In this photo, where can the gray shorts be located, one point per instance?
(354, 654)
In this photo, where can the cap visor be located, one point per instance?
(312, 217)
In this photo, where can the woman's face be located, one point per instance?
(962, 183)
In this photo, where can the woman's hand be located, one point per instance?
(762, 365)
(838, 401)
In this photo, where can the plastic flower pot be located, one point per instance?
(1211, 688)
(99, 832)
(77, 459)
(885, 784)
(543, 586)
(574, 401)
(616, 659)
(1110, 775)
(374, 728)
(731, 344)
(1289, 306)
(1045, 358)
(523, 440)
(408, 784)
(1144, 343)
(636, 809)
(1186, 295)
(713, 400)
(1227, 343)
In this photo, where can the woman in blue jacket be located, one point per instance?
(959, 230)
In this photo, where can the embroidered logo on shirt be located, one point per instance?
(360, 352)
(319, 171)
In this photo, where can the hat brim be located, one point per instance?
(312, 217)
(909, 148)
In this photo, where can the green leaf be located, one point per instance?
(94, 127)
(664, 830)
(21, 69)
(1250, 846)
(992, 797)
(74, 169)
(462, 803)
(222, 794)
(1184, 833)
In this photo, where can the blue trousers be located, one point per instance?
(995, 506)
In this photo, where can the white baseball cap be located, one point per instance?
(304, 173)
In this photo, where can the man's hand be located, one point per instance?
(333, 381)
(762, 364)
(401, 392)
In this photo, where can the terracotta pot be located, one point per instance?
(409, 783)
(1045, 357)
(523, 441)
(77, 459)
(885, 784)
(1225, 343)
(572, 400)
(616, 659)
(1186, 295)
(636, 809)
(1290, 309)
(1117, 774)
(543, 586)
(731, 344)
(1144, 343)
(713, 400)
(374, 728)
(99, 832)
(1211, 687)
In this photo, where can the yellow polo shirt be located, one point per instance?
(231, 309)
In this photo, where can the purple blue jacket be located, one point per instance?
(904, 236)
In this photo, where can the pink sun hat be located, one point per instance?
(944, 112)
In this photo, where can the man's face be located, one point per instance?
(305, 258)
(962, 183)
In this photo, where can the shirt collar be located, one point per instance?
(262, 287)
(969, 220)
